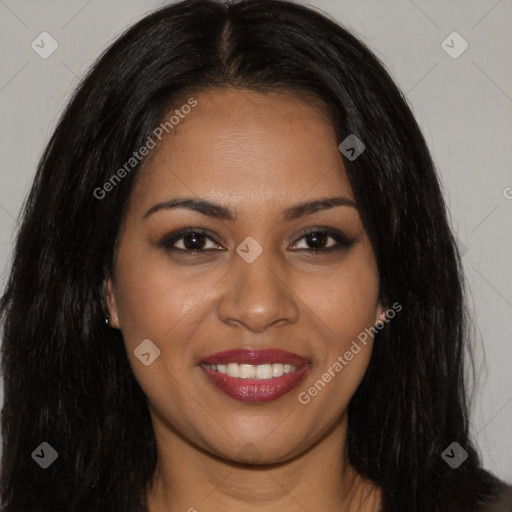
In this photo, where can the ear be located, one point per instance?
(109, 294)
(380, 315)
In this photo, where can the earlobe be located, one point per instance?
(380, 317)
(111, 302)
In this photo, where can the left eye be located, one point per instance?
(317, 240)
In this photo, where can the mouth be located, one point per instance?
(255, 376)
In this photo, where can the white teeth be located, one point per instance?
(250, 371)
(264, 371)
(277, 370)
(232, 370)
(247, 371)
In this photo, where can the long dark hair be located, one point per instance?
(67, 379)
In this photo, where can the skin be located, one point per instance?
(256, 154)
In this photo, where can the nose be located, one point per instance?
(258, 295)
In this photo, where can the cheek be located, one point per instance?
(154, 296)
(346, 300)
(158, 303)
(344, 308)
(167, 305)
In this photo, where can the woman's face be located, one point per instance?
(251, 285)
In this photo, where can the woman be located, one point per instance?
(235, 286)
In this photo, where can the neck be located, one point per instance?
(188, 478)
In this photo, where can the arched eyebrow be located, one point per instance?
(218, 211)
(311, 207)
(208, 208)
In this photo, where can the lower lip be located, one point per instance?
(255, 390)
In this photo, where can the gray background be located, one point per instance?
(463, 105)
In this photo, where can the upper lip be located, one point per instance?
(253, 356)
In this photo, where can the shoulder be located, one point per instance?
(29, 509)
(500, 502)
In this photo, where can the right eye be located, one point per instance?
(192, 240)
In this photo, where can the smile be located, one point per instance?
(250, 371)
(255, 376)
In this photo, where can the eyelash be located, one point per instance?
(168, 241)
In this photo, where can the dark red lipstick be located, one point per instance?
(287, 370)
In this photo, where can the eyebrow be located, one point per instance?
(217, 211)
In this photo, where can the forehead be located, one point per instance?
(247, 146)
